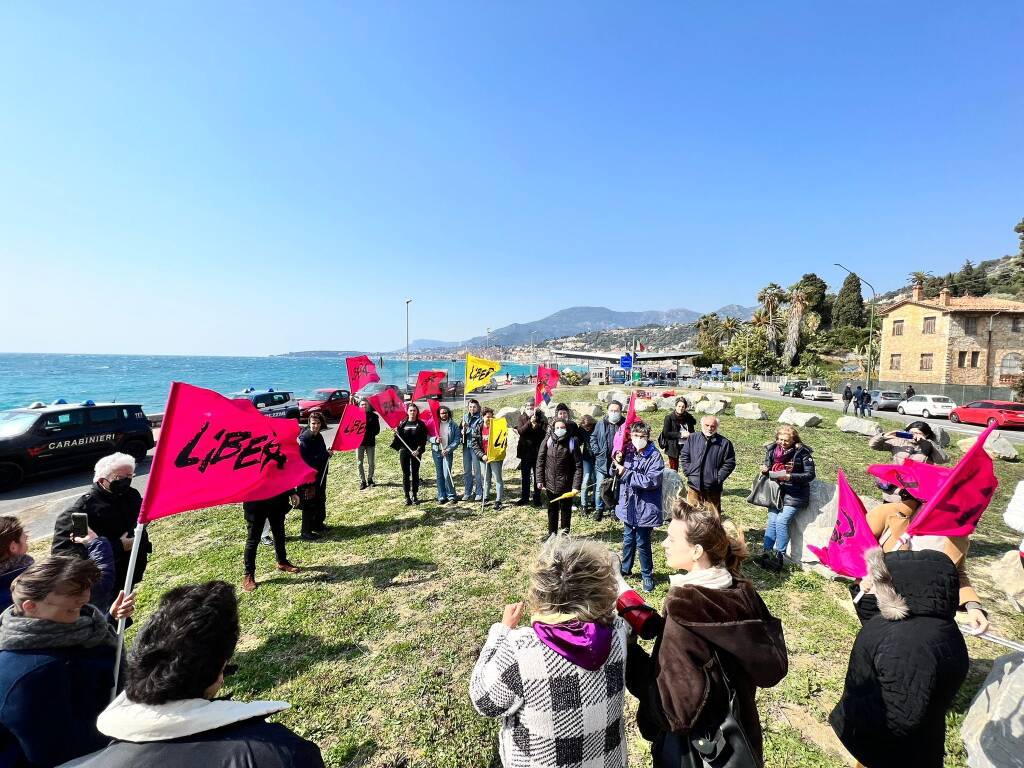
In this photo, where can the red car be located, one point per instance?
(999, 412)
(331, 402)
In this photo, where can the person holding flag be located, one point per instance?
(443, 450)
(560, 475)
(489, 444)
(472, 476)
(270, 511)
(410, 441)
(532, 428)
(313, 495)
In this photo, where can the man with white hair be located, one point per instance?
(113, 509)
(707, 459)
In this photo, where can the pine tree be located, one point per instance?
(849, 305)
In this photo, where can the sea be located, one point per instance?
(146, 379)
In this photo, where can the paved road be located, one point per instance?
(963, 429)
(39, 500)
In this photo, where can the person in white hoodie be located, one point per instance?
(167, 715)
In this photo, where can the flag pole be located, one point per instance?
(140, 528)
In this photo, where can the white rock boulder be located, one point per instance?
(858, 426)
(714, 407)
(512, 461)
(1008, 576)
(509, 413)
(993, 729)
(585, 409)
(719, 396)
(645, 404)
(799, 418)
(941, 435)
(997, 446)
(750, 411)
(814, 523)
(1014, 514)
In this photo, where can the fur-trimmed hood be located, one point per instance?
(923, 583)
(128, 721)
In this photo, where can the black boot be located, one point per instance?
(408, 500)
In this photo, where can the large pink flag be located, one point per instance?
(214, 451)
(428, 383)
(851, 537)
(351, 429)
(389, 406)
(361, 371)
(920, 480)
(623, 432)
(960, 501)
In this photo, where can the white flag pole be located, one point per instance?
(140, 529)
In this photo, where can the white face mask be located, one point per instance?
(614, 416)
(639, 442)
(559, 432)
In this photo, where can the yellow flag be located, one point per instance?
(479, 371)
(566, 495)
(497, 440)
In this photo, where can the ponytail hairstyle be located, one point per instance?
(721, 539)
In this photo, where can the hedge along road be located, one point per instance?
(39, 500)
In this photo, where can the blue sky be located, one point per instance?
(253, 178)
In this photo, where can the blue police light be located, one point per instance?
(62, 401)
(271, 389)
(89, 403)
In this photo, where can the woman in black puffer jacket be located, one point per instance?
(559, 470)
(907, 663)
(788, 456)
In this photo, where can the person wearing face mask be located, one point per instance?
(562, 412)
(443, 448)
(601, 446)
(112, 506)
(679, 425)
(708, 459)
(793, 465)
(639, 507)
(57, 655)
(532, 427)
(559, 471)
(314, 451)
(472, 474)
(715, 634)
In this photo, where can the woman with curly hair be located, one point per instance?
(557, 685)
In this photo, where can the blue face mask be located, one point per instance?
(559, 433)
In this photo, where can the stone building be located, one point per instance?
(967, 340)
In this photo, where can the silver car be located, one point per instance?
(885, 400)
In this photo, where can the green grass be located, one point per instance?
(373, 643)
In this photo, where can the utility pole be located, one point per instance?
(871, 324)
(407, 303)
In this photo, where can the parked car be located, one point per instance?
(884, 400)
(61, 436)
(1000, 412)
(277, 404)
(330, 402)
(817, 392)
(926, 406)
(453, 388)
(649, 381)
(794, 387)
(520, 379)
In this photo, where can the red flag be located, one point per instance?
(642, 347)
(428, 383)
(389, 406)
(361, 371)
(213, 451)
(851, 537)
(430, 418)
(963, 496)
(351, 429)
(547, 380)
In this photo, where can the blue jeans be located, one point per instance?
(597, 489)
(443, 473)
(776, 532)
(588, 483)
(492, 469)
(636, 539)
(473, 477)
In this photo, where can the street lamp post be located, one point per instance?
(533, 350)
(407, 303)
(871, 324)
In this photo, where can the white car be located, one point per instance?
(816, 393)
(927, 406)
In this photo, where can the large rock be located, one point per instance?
(799, 418)
(693, 397)
(622, 397)
(751, 411)
(548, 409)
(993, 730)
(1014, 514)
(671, 486)
(509, 413)
(512, 461)
(997, 446)
(585, 409)
(644, 404)
(1008, 575)
(714, 407)
(719, 396)
(604, 395)
(858, 426)
(814, 523)
(941, 435)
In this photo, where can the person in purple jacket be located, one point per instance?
(640, 468)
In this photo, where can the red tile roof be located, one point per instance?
(962, 304)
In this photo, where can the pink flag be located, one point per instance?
(959, 502)
(920, 480)
(547, 380)
(620, 435)
(428, 383)
(214, 451)
(361, 371)
(851, 537)
(351, 430)
(429, 417)
(389, 406)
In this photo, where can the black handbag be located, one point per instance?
(725, 746)
(765, 492)
(610, 491)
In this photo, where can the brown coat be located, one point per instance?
(680, 686)
(889, 521)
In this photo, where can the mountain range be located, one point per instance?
(575, 320)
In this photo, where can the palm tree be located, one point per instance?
(730, 327)
(710, 326)
(919, 278)
(771, 298)
(797, 301)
